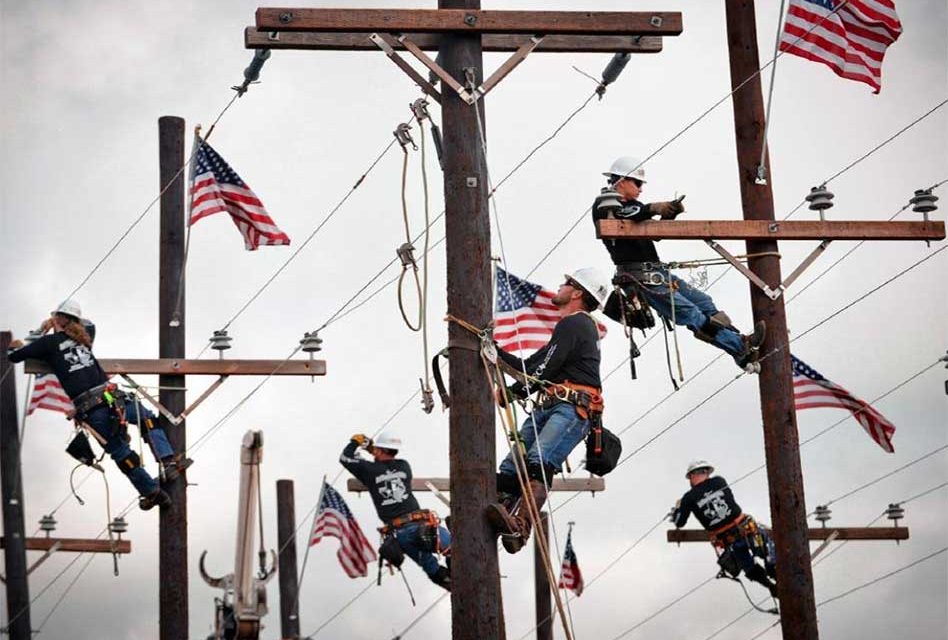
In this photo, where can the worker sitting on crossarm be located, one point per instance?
(736, 536)
(645, 281)
(416, 532)
(564, 408)
(68, 352)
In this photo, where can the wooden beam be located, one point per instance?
(173, 366)
(768, 230)
(78, 545)
(492, 42)
(844, 533)
(665, 23)
(442, 484)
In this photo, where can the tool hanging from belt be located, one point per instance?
(744, 528)
(106, 393)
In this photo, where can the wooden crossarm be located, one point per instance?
(844, 533)
(491, 42)
(769, 230)
(171, 366)
(77, 545)
(663, 23)
(443, 484)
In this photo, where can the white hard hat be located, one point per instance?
(627, 167)
(388, 440)
(593, 282)
(69, 307)
(694, 465)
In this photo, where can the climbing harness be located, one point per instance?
(743, 528)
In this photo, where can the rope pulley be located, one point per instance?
(420, 108)
(252, 72)
(402, 133)
(820, 199)
(823, 514)
(406, 253)
(220, 342)
(48, 524)
(118, 526)
(611, 73)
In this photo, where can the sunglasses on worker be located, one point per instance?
(614, 180)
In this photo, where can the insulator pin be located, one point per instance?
(118, 525)
(220, 341)
(47, 524)
(924, 202)
(895, 512)
(823, 514)
(820, 198)
(608, 202)
(311, 342)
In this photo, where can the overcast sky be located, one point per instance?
(85, 83)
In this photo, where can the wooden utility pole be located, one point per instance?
(474, 603)
(781, 440)
(173, 527)
(286, 539)
(542, 586)
(11, 488)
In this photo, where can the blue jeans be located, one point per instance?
(744, 555)
(408, 540)
(105, 423)
(155, 436)
(693, 308)
(560, 429)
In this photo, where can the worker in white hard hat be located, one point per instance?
(736, 536)
(646, 282)
(68, 352)
(563, 410)
(409, 529)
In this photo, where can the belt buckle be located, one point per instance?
(654, 278)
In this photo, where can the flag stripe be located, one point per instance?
(334, 519)
(49, 394)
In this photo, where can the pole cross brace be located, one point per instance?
(387, 44)
(771, 293)
(53, 549)
(174, 419)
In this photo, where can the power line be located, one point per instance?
(666, 607)
(420, 616)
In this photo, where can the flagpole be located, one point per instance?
(176, 316)
(299, 580)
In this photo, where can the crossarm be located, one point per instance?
(171, 366)
(844, 533)
(769, 230)
(443, 484)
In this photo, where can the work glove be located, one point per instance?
(668, 210)
(362, 440)
(16, 344)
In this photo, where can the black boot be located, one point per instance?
(155, 498)
(442, 578)
(752, 343)
(173, 467)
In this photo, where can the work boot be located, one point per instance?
(442, 578)
(752, 344)
(174, 466)
(518, 539)
(155, 498)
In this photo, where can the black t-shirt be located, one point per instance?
(388, 482)
(571, 354)
(712, 503)
(73, 363)
(629, 250)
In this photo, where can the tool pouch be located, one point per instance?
(603, 448)
(728, 563)
(80, 449)
(391, 551)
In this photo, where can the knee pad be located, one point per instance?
(507, 483)
(542, 473)
(129, 463)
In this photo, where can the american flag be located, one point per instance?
(216, 187)
(525, 315)
(334, 519)
(811, 390)
(849, 37)
(570, 576)
(49, 394)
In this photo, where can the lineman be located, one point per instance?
(735, 535)
(563, 411)
(67, 351)
(639, 270)
(388, 479)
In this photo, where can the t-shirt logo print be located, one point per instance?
(77, 355)
(392, 487)
(714, 506)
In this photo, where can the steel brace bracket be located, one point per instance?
(163, 410)
(773, 294)
(387, 43)
(43, 558)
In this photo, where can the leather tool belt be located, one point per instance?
(744, 527)
(587, 400)
(422, 515)
(92, 398)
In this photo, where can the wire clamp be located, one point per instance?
(402, 133)
(406, 253)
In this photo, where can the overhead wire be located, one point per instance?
(421, 616)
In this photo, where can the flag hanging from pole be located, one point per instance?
(215, 187)
(49, 394)
(849, 37)
(570, 576)
(811, 390)
(334, 519)
(525, 315)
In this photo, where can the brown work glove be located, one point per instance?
(16, 344)
(668, 210)
(361, 439)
